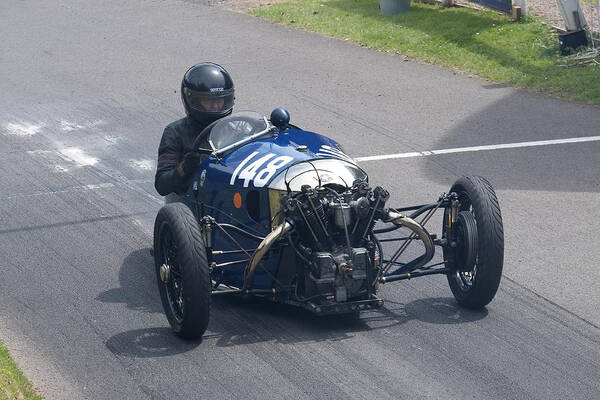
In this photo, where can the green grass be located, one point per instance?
(13, 385)
(484, 43)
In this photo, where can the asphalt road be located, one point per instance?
(85, 90)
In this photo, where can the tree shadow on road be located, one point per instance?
(523, 54)
(517, 117)
(570, 167)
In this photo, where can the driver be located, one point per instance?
(207, 93)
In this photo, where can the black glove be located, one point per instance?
(190, 163)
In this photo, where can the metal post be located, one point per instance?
(567, 7)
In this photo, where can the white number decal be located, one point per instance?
(248, 173)
(251, 172)
(237, 170)
(267, 173)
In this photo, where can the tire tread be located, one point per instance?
(193, 263)
(490, 242)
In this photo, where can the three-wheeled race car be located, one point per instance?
(284, 213)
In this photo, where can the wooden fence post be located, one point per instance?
(516, 13)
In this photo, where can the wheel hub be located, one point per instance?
(164, 273)
(466, 238)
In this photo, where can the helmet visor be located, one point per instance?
(217, 101)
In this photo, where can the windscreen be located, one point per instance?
(321, 171)
(236, 127)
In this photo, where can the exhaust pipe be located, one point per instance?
(420, 231)
(262, 249)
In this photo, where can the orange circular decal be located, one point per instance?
(237, 200)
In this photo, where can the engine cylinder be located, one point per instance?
(342, 215)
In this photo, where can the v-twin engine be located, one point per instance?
(334, 240)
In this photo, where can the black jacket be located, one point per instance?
(177, 139)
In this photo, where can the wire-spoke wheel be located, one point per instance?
(170, 275)
(476, 262)
(182, 270)
(465, 279)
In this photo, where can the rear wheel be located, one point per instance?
(182, 270)
(475, 275)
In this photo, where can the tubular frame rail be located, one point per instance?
(414, 268)
(208, 225)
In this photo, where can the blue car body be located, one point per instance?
(214, 190)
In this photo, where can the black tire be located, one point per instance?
(476, 288)
(186, 291)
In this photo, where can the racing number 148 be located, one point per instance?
(251, 172)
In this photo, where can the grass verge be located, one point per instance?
(485, 43)
(13, 384)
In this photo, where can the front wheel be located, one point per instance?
(182, 270)
(474, 279)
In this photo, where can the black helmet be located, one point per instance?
(207, 92)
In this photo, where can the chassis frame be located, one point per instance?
(391, 270)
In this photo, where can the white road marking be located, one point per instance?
(98, 186)
(82, 188)
(146, 226)
(39, 152)
(77, 156)
(480, 148)
(44, 154)
(67, 190)
(22, 129)
(68, 126)
(111, 139)
(143, 165)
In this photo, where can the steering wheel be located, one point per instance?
(202, 134)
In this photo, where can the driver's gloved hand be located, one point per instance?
(190, 163)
